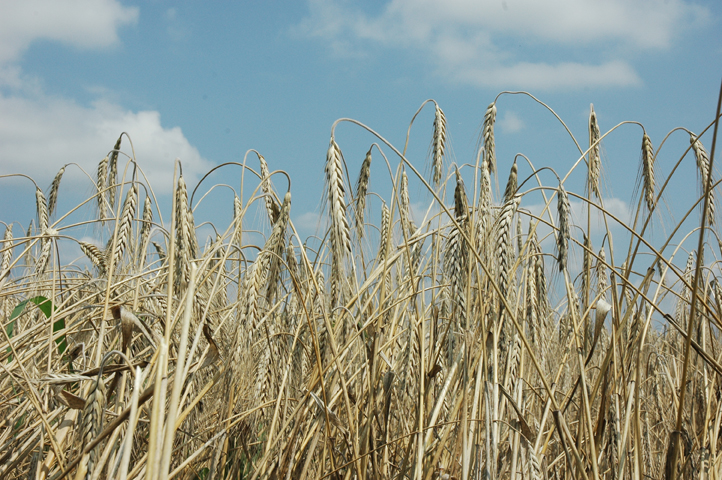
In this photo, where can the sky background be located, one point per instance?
(205, 82)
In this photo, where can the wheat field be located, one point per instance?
(498, 332)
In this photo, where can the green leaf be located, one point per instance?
(45, 306)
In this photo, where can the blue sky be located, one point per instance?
(207, 81)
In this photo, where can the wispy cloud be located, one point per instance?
(476, 43)
(510, 123)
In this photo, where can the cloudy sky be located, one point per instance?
(206, 82)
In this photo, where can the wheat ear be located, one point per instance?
(703, 165)
(113, 171)
(511, 183)
(488, 136)
(362, 187)
(147, 223)
(96, 255)
(7, 248)
(563, 235)
(92, 418)
(41, 205)
(101, 180)
(340, 233)
(53, 196)
(271, 205)
(126, 223)
(648, 170)
(439, 142)
(504, 243)
(595, 162)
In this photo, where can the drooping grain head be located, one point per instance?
(648, 170)
(564, 212)
(113, 171)
(461, 202)
(361, 190)
(53, 196)
(595, 162)
(511, 183)
(488, 137)
(271, 205)
(275, 245)
(95, 255)
(439, 142)
(703, 166)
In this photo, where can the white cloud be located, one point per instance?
(510, 122)
(467, 40)
(88, 24)
(39, 133)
